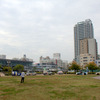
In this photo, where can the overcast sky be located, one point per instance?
(43, 27)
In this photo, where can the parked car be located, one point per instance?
(34, 73)
(85, 73)
(81, 73)
(60, 72)
(78, 73)
(30, 73)
(48, 73)
(97, 73)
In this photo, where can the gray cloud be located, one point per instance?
(42, 27)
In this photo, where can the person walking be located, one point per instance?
(22, 77)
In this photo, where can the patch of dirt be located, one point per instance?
(2, 74)
(98, 77)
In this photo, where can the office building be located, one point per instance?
(88, 51)
(88, 46)
(92, 48)
(2, 56)
(56, 60)
(98, 62)
(82, 30)
(56, 56)
(85, 59)
(83, 46)
(27, 63)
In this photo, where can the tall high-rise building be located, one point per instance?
(82, 30)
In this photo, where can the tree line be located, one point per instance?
(8, 70)
(91, 66)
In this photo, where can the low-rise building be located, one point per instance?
(98, 62)
(85, 59)
(55, 61)
(2, 56)
(28, 64)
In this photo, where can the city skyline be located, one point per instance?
(43, 27)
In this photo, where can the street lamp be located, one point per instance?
(8, 62)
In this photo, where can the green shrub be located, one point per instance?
(65, 72)
(91, 72)
(39, 72)
(53, 73)
(71, 72)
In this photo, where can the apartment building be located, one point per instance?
(82, 30)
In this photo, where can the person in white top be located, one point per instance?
(22, 77)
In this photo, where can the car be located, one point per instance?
(60, 72)
(48, 73)
(78, 73)
(97, 73)
(81, 73)
(33, 73)
(85, 73)
(0, 69)
(30, 73)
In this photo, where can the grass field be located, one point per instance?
(55, 87)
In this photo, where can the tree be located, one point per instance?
(92, 66)
(74, 66)
(0, 66)
(7, 70)
(18, 68)
(34, 69)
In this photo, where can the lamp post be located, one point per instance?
(8, 62)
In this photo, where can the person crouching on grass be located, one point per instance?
(22, 77)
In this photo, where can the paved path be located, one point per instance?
(98, 77)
